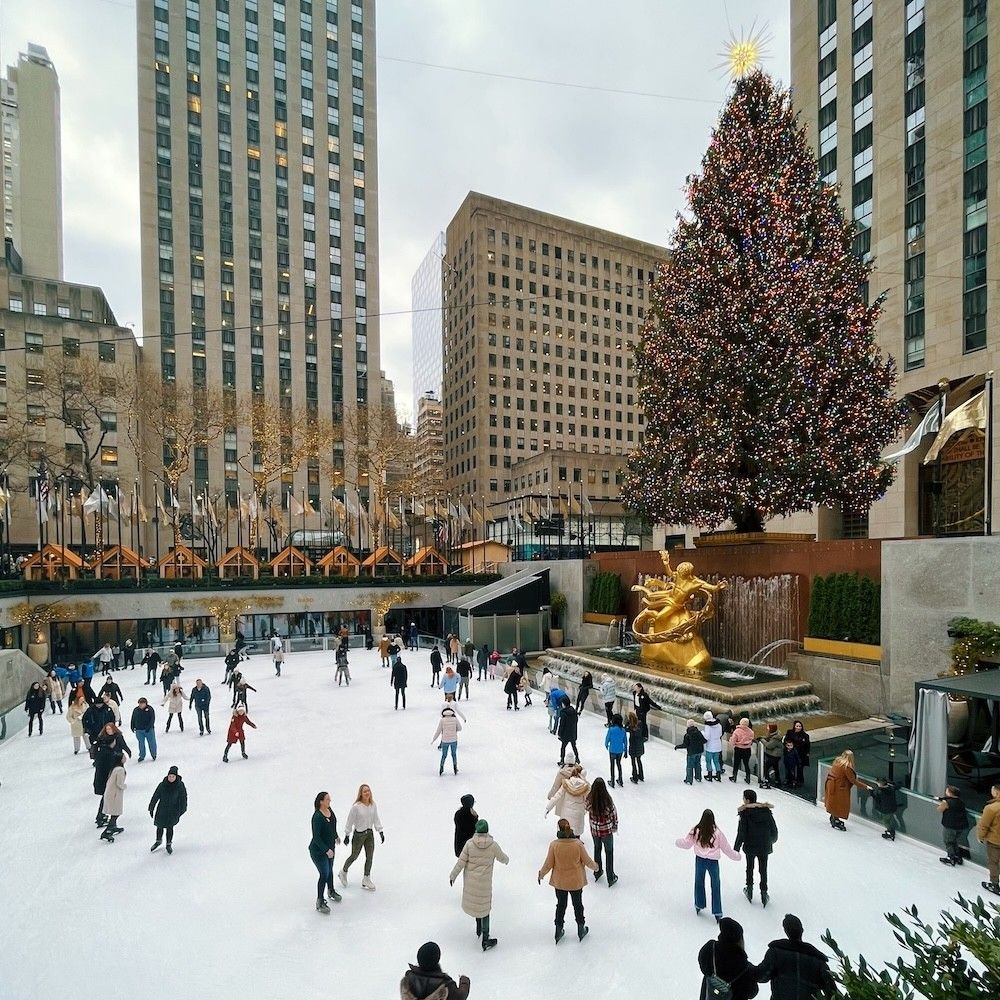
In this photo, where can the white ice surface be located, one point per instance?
(231, 913)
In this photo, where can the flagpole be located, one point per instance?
(988, 509)
(118, 501)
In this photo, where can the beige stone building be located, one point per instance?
(429, 444)
(258, 201)
(900, 101)
(541, 315)
(31, 158)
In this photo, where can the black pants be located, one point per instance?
(581, 699)
(170, 834)
(203, 722)
(512, 695)
(151, 674)
(637, 768)
(761, 860)
(243, 748)
(741, 758)
(562, 898)
(40, 714)
(771, 772)
(56, 701)
(401, 692)
(130, 659)
(608, 845)
(180, 721)
(483, 927)
(644, 724)
(562, 751)
(616, 761)
(608, 706)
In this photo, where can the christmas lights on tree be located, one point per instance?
(763, 387)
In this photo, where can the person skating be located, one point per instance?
(741, 740)
(694, 745)
(105, 657)
(383, 650)
(394, 650)
(277, 653)
(988, 833)
(709, 843)
(465, 822)
(34, 705)
(567, 729)
(566, 860)
(642, 703)
(449, 684)
(583, 691)
(512, 685)
(435, 667)
(570, 799)
(240, 689)
(712, 731)
(476, 862)
(725, 958)
(616, 743)
(201, 698)
(494, 660)
(795, 969)
(166, 676)
(426, 981)
(608, 696)
(772, 747)
(464, 670)
(232, 663)
(129, 652)
(454, 649)
(954, 824)
(792, 766)
(398, 677)
(111, 689)
(524, 689)
(553, 702)
(363, 820)
(885, 805)
(114, 798)
(413, 637)
(636, 747)
(168, 804)
(235, 734)
(175, 706)
(565, 771)
(114, 706)
(143, 724)
(97, 717)
(54, 689)
(75, 711)
(447, 731)
(837, 793)
(343, 670)
(482, 662)
(756, 835)
(151, 658)
(108, 747)
(603, 827)
(800, 740)
(322, 849)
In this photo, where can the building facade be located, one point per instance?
(258, 187)
(900, 101)
(541, 315)
(32, 162)
(427, 322)
(429, 444)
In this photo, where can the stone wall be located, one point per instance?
(926, 582)
(17, 673)
(852, 688)
(570, 576)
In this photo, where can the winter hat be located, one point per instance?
(772, 727)
(730, 930)
(792, 926)
(428, 957)
(570, 758)
(468, 801)
(708, 716)
(744, 721)
(241, 710)
(482, 826)
(173, 770)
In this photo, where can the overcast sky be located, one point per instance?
(613, 160)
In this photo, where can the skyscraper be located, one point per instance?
(427, 322)
(32, 162)
(895, 97)
(259, 215)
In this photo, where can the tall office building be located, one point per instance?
(541, 317)
(896, 98)
(427, 322)
(258, 175)
(429, 457)
(32, 162)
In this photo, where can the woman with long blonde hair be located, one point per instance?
(364, 822)
(837, 793)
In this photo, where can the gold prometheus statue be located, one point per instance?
(668, 627)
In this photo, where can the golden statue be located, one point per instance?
(668, 628)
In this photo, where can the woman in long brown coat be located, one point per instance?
(837, 794)
(567, 859)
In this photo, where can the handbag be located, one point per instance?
(715, 987)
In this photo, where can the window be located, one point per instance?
(109, 455)
(71, 347)
(109, 422)
(106, 351)
(16, 304)
(33, 343)
(41, 309)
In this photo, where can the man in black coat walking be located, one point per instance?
(399, 678)
(567, 729)
(756, 834)
(168, 804)
(200, 698)
(796, 970)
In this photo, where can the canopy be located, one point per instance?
(524, 592)
(983, 684)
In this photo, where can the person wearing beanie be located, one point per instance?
(114, 799)
(694, 743)
(608, 696)
(465, 823)
(741, 741)
(168, 804)
(447, 731)
(476, 862)
(725, 958)
(712, 731)
(567, 729)
(795, 969)
(565, 771)
(773, 747)
(398, 677)
(426, 981)
(757, 834)
(235, 734)
(566, 859)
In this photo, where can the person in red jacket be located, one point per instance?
(235, 734)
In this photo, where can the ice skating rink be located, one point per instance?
(232, 912)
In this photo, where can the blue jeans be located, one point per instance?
(710, 867)
(324, 866)
(454, 753)
(146, 736)
(693, 767)
(713, 762)
(553, 718)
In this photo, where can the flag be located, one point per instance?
(4, 498)
(276, 513)
(308, 507)
(100, 501)
(442, 532)
(930, 424)
(549, 508)
(587, 507)
(173, 501)
(511, 522)
(159, 507)
(141, 510)
(295, 509)
(464, 514)
(969, 414)
(124, 509)
(44, 486)
(213, 517)
(253, 508)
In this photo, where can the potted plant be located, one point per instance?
(557, 609)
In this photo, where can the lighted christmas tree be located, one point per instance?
(763, 387)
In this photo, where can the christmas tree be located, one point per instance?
(763, 388)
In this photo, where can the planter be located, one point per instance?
(751, 538)
(555, 637)
(848, 650)
(593, 618)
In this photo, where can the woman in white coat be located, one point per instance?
(175, 706)
(712, 731)
(476, 861)
(566, 771)
(113, 802)
(447, 731)
(570, 799)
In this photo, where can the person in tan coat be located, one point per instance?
(113, 802)
(837, 793)
(74, 716)
(567, 859)
(988, 833)
(570, 799)
(476, 860)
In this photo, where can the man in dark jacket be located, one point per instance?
(795, 970)
(152, 661)
(111, 689)
(168, 804)
(465, 823)
(399, 677)
(435, 667)
(694, 744)
(425, 978)
(231, 661)
(566, 730)
(143, 721)
(97, 717)
(464, 676)
(756, 834)
(200, 698)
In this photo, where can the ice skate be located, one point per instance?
(611, 880)
(489, 943)
(342, 875)
(560, 932)
(764, 897)
(993, 887)
(321, 907)
(170, 849)
(156, 846)
(748, 892)
(367, 883)
(582, 930)
(335, 896)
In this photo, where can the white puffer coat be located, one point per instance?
(570, 802)
(607, 690)
(712, 731)
(175, 700)
(448, 727)
(565, 772)
(476, 860)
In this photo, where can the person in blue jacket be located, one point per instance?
(553, 703)
(616, 742)
(200, 698)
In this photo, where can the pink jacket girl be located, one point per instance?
(709, 842)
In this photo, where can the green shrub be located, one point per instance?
(846, 607)
(605, 594)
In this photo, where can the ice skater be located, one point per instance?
(425, 979)
(54, 689)
(476, 862)
(954, 824)
(75, 711)
(201, 699)
(988, 833)
(398, 678)
(111, 689)
(608, 696)
(583, 692)
(712, 731)
(465, 822)
(567, 729)
(603, 827)
(566, 859)
(322, 847)
(512, 685)
(636, 747)
(800, 740)
(741, 740)
(642, 703)
(449, 684)
(837, 793)
(616, 743)
(694, 744)
(771, 745)
(236, 734)
(725, 958)
(447, 731)
(709, 843)
(143, 723)
(435, 667)
(277, 653)
(343, 670)
(168, 804)
(108, 747)
(114, 799)
(570, 799)
(175, 706)
(363, 820)
(482, 662)
(464, 676)
(34, 705)
(756, 834)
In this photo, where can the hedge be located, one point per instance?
(846, 607)
(605, 594)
